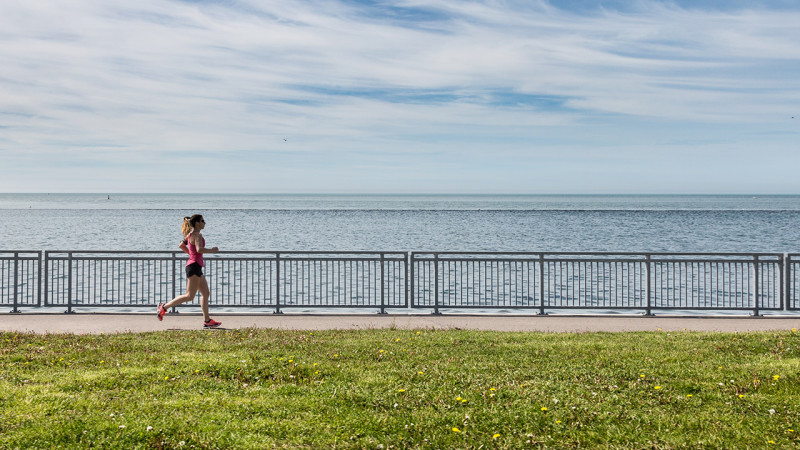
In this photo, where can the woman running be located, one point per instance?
(195, 246)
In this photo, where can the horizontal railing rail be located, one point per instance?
(387, 280)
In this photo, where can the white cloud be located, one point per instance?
(120, 85)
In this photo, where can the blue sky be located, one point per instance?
(434, 96)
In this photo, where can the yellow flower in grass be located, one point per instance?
(544, 408)
(689, 396)
(741, 395)
(496, 435)
(456, 430)
(657, 388)
(776, 377)
(401, 390)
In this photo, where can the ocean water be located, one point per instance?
(553, 223)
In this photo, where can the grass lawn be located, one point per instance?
(399, 388)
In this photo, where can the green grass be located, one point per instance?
(399, 388)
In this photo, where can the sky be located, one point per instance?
(405, 96)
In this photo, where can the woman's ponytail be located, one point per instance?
(186, 227)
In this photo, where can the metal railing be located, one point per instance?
(236, 279)
(437, 281)
(20, 278)
(602, 281)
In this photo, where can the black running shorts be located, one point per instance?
(194, 269)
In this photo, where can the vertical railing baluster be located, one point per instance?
(39, 276)
(408, 278)
(648, 290)
(16, 282)
(69, 283)
(436, 283)
(174, 277)
(278, 283)
(411, 280)
(383, 277)
(785, 283)
(756, 288)
(46, 277)
(541, 284)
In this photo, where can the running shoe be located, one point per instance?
(211, 323)
(161, 311)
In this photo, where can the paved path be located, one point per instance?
(118, 323)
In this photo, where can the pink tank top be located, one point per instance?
(195, 257)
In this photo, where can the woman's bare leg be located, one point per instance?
(192, 286)
(206, 296)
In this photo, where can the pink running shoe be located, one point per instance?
(211, 323)
(161, 311)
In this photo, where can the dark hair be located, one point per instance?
(189, 223)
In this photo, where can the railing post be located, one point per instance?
(406, 277)
(786, 281)
(69, 284)
(46, 276)
(757, 290)
(383, 286)
(277, 284)
(648, 290)
(410, 279)
(781, 278)
(436, 284)
(16, 282)
(541, 284)
(39, 275)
